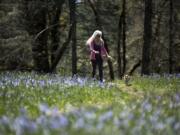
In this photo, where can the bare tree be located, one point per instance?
(124, 34)
(72, 8)
(170, 36)
(156, 43)
(119, 47)
(55, 31)
(147, 37)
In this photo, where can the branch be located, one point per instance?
(176, 44)
(135, 66)
(42, 31)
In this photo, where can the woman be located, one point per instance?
(97, 53)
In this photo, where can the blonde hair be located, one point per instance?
(91, 39)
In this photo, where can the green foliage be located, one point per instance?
(17, 20)
(15, 42)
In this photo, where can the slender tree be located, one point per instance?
(119, 47)
(72, 8)
(170, 36)
(147, 38)
(55, 31)
(124, 34)
(156, 43)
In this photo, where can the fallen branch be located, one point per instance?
(134, 67)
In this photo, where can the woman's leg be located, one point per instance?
(94, 68)
(100, 66)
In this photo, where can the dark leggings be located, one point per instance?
(98, 62)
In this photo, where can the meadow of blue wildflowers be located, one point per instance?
(34, 104)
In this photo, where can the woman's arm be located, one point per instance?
(92, 48)
(105, 53)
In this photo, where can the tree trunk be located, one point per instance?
(122, 39)
(124, 35)
(72, 6)
(61, 50)
(99, 25)
(156, 64)
(147, 38)
(170, 36)
(119, 47)
(55, 33)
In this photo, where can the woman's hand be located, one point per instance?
(96, 52)
(109, 57)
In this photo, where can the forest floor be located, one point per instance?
(36, 104)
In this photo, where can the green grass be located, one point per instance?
(132, 106)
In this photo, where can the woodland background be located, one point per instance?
(142, 36)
